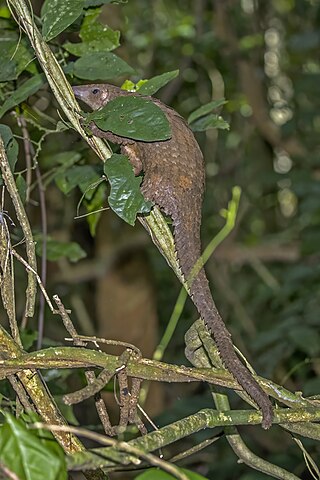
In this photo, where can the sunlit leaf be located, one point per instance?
(4, 12)
(125, 198)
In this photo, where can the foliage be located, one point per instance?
(133, 117)
(261, 57)
(125, 189)
(29, 453)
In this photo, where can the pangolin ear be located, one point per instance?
(105, 95)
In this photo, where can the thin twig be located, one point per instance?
(90, 375)
(29, 268)
(29, 153)
(44, 229)
(67, 320)
(25, 225)
(97, 340)
(195, 449)
(90, 390)
(21, 393)
(8, 473)
(100, 406)
(235, 440)
(36, 392)
(120, 446)
(7, 273)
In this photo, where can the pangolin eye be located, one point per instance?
(95, 91)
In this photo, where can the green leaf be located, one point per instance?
(16, 56)
(57, 15)
(56, 250)
(150, 87)
(94, 204)
(133, 117)
(25, 90)
(8, 70)
(4, 12)
(101, 66)
(22, 187)
(205, 109)
(10, 144)
(125, 198)
(95, 3)
(63, 159)
(95, 36)
(210, 121)
(28, 337)
(82, 176)
(157, 474)
(29, 456)
(66, 410)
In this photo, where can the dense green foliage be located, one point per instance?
(262, 57)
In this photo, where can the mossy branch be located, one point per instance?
(204, 419)
(144, 368)
(37, 391)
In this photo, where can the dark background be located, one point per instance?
(263, 57)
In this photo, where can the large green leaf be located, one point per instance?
(28, 88)
(150, 87)
(28, 456)
(95, 36)
(133, 117)
(125, 198)
(101, 66)
(157, 474)
(57, 15)
(10, 144)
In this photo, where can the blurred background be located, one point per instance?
(263, 57)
